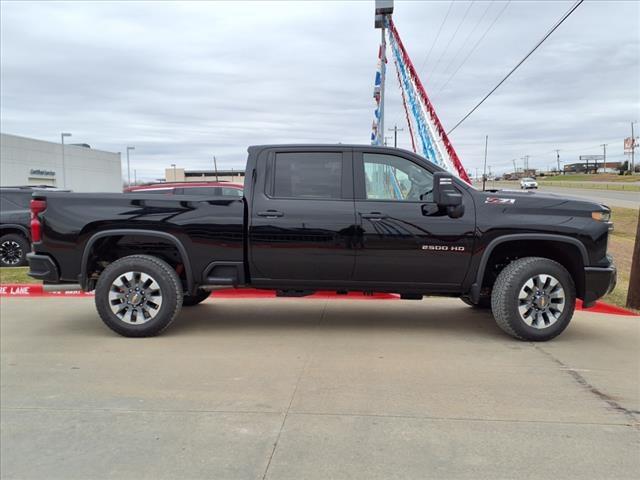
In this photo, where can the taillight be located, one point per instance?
(37, 207)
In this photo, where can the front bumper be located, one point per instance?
(43, 268)
(598, 281)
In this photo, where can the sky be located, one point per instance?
(185, 81)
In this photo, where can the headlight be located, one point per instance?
(601, 216)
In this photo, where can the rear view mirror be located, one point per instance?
(446, 195)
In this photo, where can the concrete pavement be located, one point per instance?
(299, 388)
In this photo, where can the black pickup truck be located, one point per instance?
(330, 217)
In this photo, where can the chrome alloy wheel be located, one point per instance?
(541, 301)
(135, 298)
(10, 252)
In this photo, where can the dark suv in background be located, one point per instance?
(15, 236)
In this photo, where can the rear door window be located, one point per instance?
(308, 175)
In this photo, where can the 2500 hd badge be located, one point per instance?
(443, 248)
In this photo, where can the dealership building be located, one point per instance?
(27, 161)
(175, 174)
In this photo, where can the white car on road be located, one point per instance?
(528, 182)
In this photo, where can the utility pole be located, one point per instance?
(604, 156)
(558, 160)
(484, 172)
(515, 169)
(395, 131)
(215, 167)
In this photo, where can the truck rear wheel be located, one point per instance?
(533, 299)
(138, 296)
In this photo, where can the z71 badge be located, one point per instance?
(500, 201)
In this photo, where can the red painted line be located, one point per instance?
(601, 307)
(36, 290)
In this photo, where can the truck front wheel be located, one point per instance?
(533, 299)
(138, 296)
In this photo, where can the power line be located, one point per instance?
(437, 36)
(454, 57)
(455, 33)
(475, 46)
(547, 35)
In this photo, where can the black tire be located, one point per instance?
(13, 250)
(192, 300)
(483, 304)
(505, 300)
(168, 285)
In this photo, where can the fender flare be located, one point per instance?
(16, 226)
(477, 285)
(131, 231)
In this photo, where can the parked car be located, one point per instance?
(14, 224)
(338, 217)
(527, 183)
(225, 189)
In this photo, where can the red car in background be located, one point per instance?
(223, 189)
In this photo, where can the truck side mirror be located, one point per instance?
(446, 195)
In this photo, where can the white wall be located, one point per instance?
(85, 169)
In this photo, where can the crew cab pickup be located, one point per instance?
(330, 217)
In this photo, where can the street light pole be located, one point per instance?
(215, 166)
(174, 171)
(64, 173)
(129, 165)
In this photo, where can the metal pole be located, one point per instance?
(558, 160)
(383, 70)
(484, 173)
(135, 176)
(128, 169)
(215, 166)
(515, 169)
(64, 168)
(64, 176)
(174, 171)
(633, 149)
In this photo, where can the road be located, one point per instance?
(611, 198)
(315, 389)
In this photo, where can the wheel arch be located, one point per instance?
(182, 251)
(577, 253)
(7, 228)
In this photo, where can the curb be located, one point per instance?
(36, 290)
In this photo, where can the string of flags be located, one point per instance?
(428, 136)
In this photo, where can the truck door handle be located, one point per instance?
(271, 214)
(374, 216)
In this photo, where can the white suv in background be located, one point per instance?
(528, 182)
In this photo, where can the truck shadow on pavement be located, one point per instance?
(305, 315)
